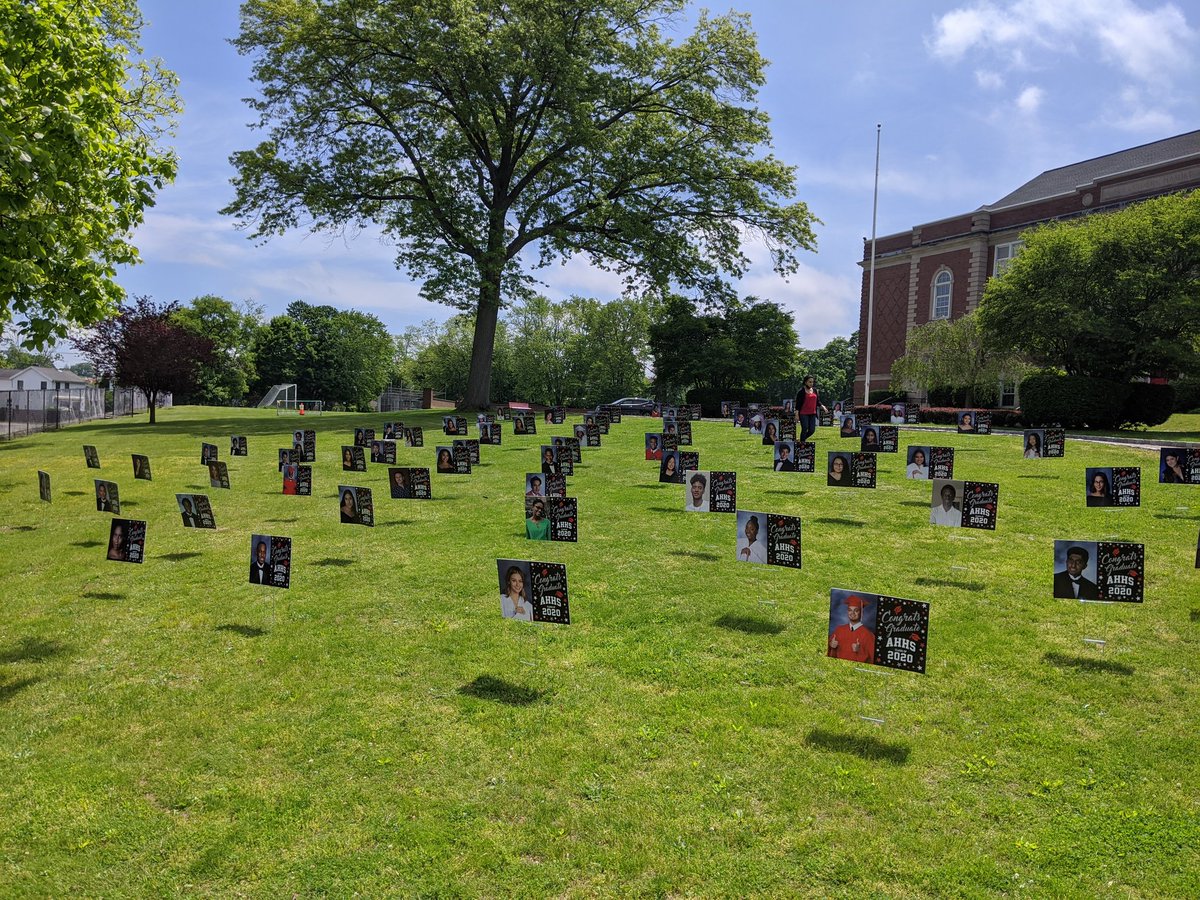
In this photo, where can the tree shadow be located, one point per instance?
(31, 649)
(1087, 664)
(1043, 477)
(946, 582)
(103, 595)
(664, 509)
(394, 523)
(748, 624)
(789, 493)
(860, 745)
(248, 631)
(87, 544)
(917, 503)
(487, 687)
(853, 523)
(695, 554)
(1195, 615)
(22, 528)
(283, 521)
(331, 561)
(178, 557)
(10, 688)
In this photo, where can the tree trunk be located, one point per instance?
(151, 396)
(479, 381)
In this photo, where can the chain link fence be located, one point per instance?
(26, 412)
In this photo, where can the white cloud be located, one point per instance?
(1154, 45)
(988, 80)
(1030, 99)
(1136, 113)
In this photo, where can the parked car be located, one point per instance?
(638, 406)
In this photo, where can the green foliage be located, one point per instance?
(81, 116)
(740, 343)
(1073, 401)
(1114, 295)
(16, 357)
(1148, 404)
(342, 357)
(832, 367)
(710, 398)
(233, 332)
(1187, 395)
(479, 136)
(952, 355)
(145, 347)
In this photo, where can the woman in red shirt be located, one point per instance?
(807, 404)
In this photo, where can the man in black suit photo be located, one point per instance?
(1070, 584)
(259, 573)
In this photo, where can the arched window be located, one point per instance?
(943, 284)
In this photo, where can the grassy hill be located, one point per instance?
(169, 729)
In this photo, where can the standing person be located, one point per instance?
(808, 401)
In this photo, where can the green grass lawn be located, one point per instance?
(169, 729)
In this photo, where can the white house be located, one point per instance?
(40, 378)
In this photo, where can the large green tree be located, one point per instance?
(342, 357)
(227, 378)
(485, 136)
(739, 344)
(82, 113)
(832, 367)
(953, 355)
(1114, 295)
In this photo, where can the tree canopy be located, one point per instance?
(743, 343)
(488, 137)
(144, 347)
(228, 376)
(952, 354)
(81, 115)
(1114, 295)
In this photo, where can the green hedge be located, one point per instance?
(1187, 395)
(1073, 401)
(1149, 404)
(710, 400)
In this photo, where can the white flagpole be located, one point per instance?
(871, 282)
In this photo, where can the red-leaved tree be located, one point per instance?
(142, 348)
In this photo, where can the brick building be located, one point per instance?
(938, 270)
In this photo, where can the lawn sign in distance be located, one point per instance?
(127, 540)
(108, 498)
(91, 457)
(237, 445)
(218, 475)
(271, 560)
(141, 467)
(355, 506)
(208, 453)
(195, 511)
(878, 630)
(44, 486)
(540, 589)
(1108, 571)
(406, 483)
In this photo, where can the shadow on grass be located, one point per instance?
(1195, 615)
(860, 745)
(748, 625)
(695, 554)
(282, 521)
(87, 544)
(178, 557)
(853, 523)
(1174, 516)
(665, 509)
(75, 493)
(248, 631)
(339, 563)
(654, 487)
(393, 524)
(487, 687)
(1087, 664)
(946, 582)
(9, 688)
(789, 493)
(103, 595)
(31, 650)
(1051, 477)
(914, 503)
(21, 528)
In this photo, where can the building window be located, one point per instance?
(1004, 255)
(943, 282)
(1008, 393)
(43, 385)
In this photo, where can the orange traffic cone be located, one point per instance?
(301, 409)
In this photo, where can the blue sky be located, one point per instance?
(975, 98)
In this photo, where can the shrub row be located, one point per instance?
(1078, 401)
(941, 415)
(710, 400)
